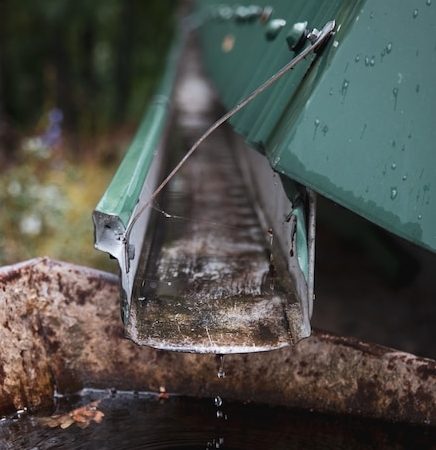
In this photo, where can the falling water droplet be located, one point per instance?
(221, 373)
(404, 177)
(393, 166)
(366, 61)
(395, 93)
(344, 89)
(372, 62)
(357, 58)
(394, 193)
(218, 401)
(419, 216)
(389, 47)
(428, 2)
(415, 13)
(331, 91)
(316, 123)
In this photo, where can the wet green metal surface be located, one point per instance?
(357, 124)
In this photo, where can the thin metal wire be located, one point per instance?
(324, 34)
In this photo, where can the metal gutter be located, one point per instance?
(137, 174)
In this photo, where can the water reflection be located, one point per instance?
(146, 421)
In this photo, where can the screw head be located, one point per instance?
(247, 13)
(273, 28)
(296, 36)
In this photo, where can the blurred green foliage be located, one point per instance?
(93, 64)
(46, 205)
(95, 60)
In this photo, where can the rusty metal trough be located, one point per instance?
(60, 331)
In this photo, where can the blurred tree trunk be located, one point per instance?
(63, 80)
(8, 136)
(64, 83)
(123, 67)
(88, 42)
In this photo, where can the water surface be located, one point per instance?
(143, 421)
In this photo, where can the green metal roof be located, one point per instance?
(355, 123)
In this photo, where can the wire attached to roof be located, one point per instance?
(318, 39)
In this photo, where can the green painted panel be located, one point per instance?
(363, 133)
(357, 124)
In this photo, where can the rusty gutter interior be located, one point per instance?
(208, 266)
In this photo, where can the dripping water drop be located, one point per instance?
(221, 373)
(395, 94)
(344, 88)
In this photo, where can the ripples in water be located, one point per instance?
(143, 421)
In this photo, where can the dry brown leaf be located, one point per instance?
(82, 417)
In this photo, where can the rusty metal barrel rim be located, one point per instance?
(60, 328)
